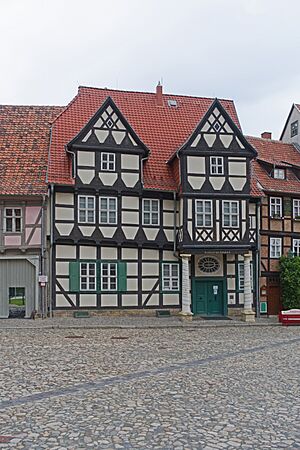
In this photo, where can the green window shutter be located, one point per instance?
(74, 276)
(122, 276)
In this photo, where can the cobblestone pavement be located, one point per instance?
(190, 388)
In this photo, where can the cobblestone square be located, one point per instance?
(206, 388)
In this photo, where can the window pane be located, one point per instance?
(174, 270)
(112, 217)
(8, 224)
(91, 202)
(81, 202)
(90, 216)
(166, 270)
(8, 212)
(103, 217)
(154, 205)
(146, 218)
(155, 218)
(103, 203)
(18, 224)
(146, 205)
(112, 203)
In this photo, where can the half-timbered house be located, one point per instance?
(152, 204)
(277, 171)
(24, 141)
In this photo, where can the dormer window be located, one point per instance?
(294, 128)
(279, 174)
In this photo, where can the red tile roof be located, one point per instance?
(275, 153)
(24, 144)
(163, 129)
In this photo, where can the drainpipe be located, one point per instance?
(43, 249)
(257, 255)
(51, 246)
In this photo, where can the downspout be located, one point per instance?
(51, 245)
(257, 255)
(43, 250)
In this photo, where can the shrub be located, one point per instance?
(290, 281)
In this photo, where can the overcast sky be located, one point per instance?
(246, 50)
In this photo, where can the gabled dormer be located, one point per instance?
(291, 131)
(107, 151)
(216, 157)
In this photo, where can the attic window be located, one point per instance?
(279, 174)
(294, 128)
(217, 126)
(172, 103)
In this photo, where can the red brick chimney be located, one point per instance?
(266, 135)
(159, 95)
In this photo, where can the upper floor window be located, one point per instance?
(296, 247)
(275, 247)
(294, 128)
(216, 165)
(108, 162)
(203, 213)
(108, 210)
(279, 174)
(150, 212)
(86, 209)
(275, 207)
(230, 214)
(109, 275)
(87, 276)
(13, 220)
(296, 208)
(170, 277)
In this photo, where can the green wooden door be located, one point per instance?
(208, 297)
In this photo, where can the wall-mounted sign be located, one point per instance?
(43, 279)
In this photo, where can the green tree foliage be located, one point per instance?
(290, 281)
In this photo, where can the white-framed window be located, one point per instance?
(87, 276)
(204, 213)
(294, 128)
(279, 174)
(216, 165)
(150, 212)
(296, 247)
(170, 277)
(275, 247)
(296, 208)
(109, 276)
(108, 162)
(12, 220)
(275, 207)
(230, 213)
(241, 275)
(86, 209)
(108, 210)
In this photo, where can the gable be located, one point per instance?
(217, 131)
(108, 128)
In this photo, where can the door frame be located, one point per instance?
(205, 279)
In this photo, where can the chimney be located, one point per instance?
(159, 95)
(266, 135)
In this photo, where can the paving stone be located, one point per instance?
(217, 388)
